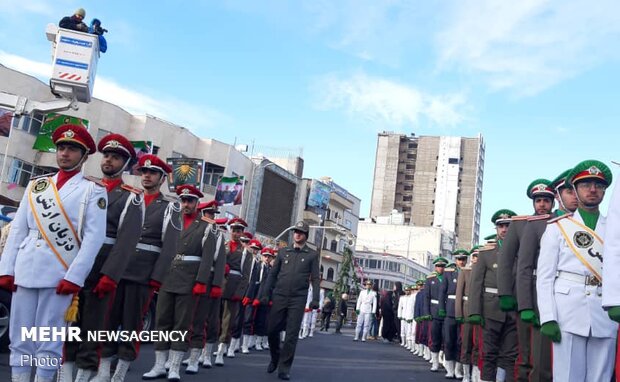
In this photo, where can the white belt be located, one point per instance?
(452, 296)
(187, 258)
(35, 233)
(587, 280)
(465, 298)
(109, 240)
(434, 301)
(491, 290)
(148, 247)
(534, 272)
(233, 272)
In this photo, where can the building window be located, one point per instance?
(20, 172)
(453, 160)
(29, 124)
(333, 246)
(410, 156)
(177, 155)
(408, 177)
(408, 188)
(372, 264)
(330, 274)
(407, 198)
(212, 174)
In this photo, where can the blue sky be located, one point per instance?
(539, 79)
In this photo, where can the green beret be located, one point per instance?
(540, 187)
(440, 261)
(590, 170)
(558, 182)
(491, 237)
(460, 253)
(502, 215)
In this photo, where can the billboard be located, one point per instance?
(142, 148)
(275, 208)
(51, 122)
(185, 171)
(230, 191)
(318, 197)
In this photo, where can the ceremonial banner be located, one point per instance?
(185, 171)
(6, 119)
(51, 122)
(229, 191)
(142, 148)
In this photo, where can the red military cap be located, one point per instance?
(238, 222)
(221, 221)
(76, 135)
(210, 206)
(152, 162)
(266, 251)
(189, 191)
(118, 144)
(246, 237)
(255, 244)
(273, 251)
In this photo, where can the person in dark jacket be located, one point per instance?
(75, 22)
(397, 292)
(387, 310)
(342, 312)
(95, 28)
(376, 317)
(328, 308)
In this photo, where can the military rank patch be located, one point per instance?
(583, 239)
(40, 186)
(101, 203)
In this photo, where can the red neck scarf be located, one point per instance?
(232, 245)
(189, 219)
(149, 198)
(111, 184)
(64, 176)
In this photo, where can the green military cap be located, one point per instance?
(420, 282)
(590, 170)
(460, 253)
(440, 261)
(502, 216)
(474, 250)
(491, 237)
(451, 266)
(560, 181)
(540, 187)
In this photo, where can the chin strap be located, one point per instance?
(79, 164)
(119, 172)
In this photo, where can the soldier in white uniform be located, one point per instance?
(569, 278)
(54, 239)
(611, 297)
(305, 323)
(315, 312)
(402, 301)
(366, 306)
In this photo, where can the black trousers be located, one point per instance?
(436, 334)
(286, 314)
(237, 328)
(524, 364)
(325, 320)
(451, 338)
(340, 322)
(499, 348)
(92, 316)
(131, 302)
(248, 320)
(260, 320)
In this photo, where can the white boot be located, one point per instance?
(259, 343)
(231, 348)
(83, 375)
(246, 344)
(475, 374)
(427, 353)
(22, 377)
(38, 378)
(282, 336)
(219, 357)
(442, 357)
(103, 372)
(65, 374)
(159, 369)
(449, 368)
(251, 342)
(206, 355)
(121, 371)
(174, 374)
(194, 360)
(265, 342)
(434, 361)
(458, 370)
(466, 375)
(501, 375)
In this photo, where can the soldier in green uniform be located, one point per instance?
(526, 277)
(432, 296)
(462, 312)
(542, 199)
(125, 214)
(499, 334)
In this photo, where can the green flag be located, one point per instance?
(51, 122)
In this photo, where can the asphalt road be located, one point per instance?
(324, 358)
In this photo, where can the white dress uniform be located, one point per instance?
(305, 321)
(400, 315)
(315, 312)
(367, 306)
(587, 349)
(37, 271)
(611, 252)
(408, 312)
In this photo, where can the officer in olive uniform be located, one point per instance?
(432, 296)
(467, 353)
(125, 215)
(287, 286)
(239, 263)
(542, 199)
(147, 267)
(526, 277)
(499, 332)
(184, 283)
(447, 309)
(208, 310)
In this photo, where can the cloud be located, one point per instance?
(528, 46)
(174, 110)
(383, 101)
(42, 7)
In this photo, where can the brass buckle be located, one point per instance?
(592, 281)
(178, 257)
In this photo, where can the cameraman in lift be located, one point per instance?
(95, 28)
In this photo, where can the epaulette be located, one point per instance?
(430, 276)
(466, 269)
(550, 221)
(538, 217)
(129, 188)
(206, 219)
(488, 247)
(448, 270)
(50, 174)
(520, 217)
(94, 180)
(169, 199)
